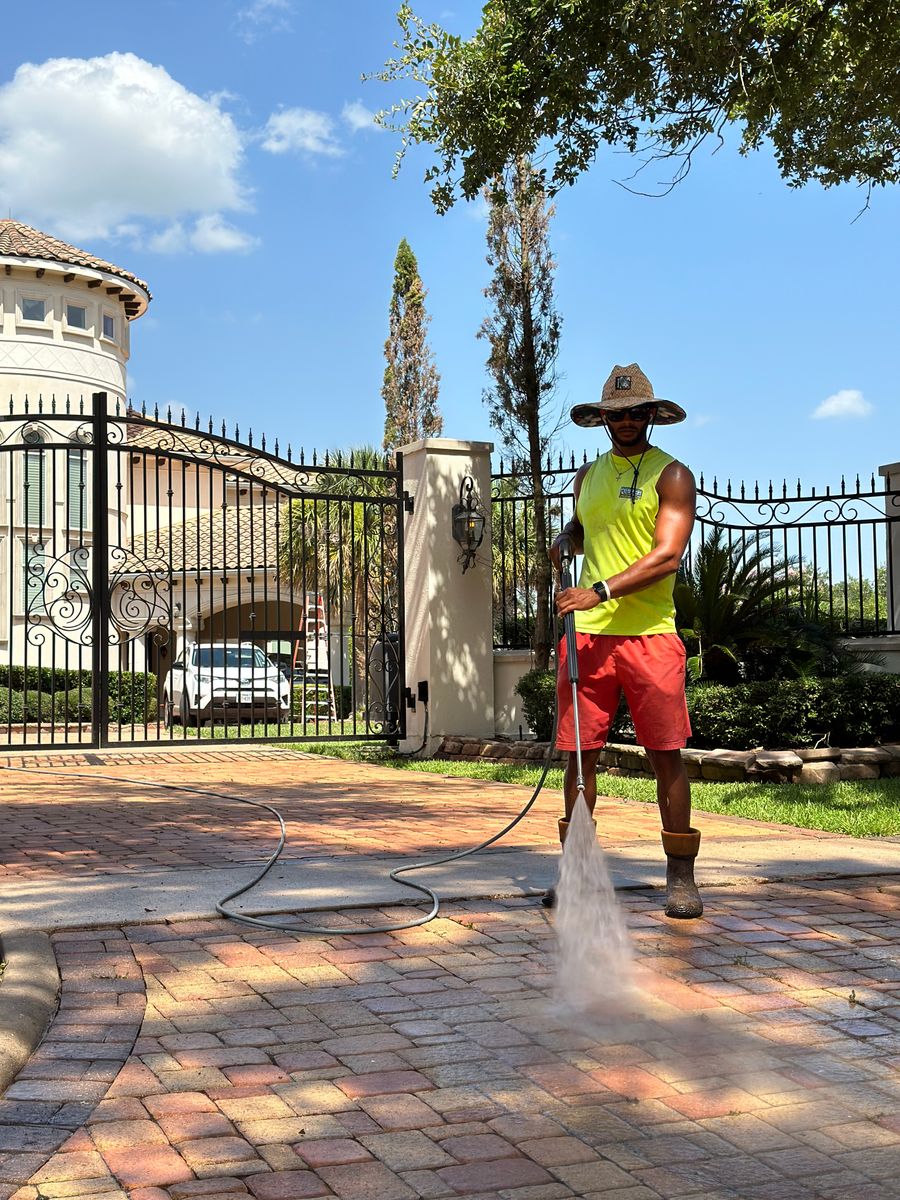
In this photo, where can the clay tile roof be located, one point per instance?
(21, 241)
(238, 537)
(196, 442)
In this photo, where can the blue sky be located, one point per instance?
(221, 150)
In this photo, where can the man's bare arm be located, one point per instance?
(674, 522)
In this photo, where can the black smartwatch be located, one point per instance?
(602, 590)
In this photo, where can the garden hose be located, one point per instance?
(262, 922)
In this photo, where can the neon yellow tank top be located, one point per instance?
(616, 534)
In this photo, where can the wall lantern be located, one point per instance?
(468, 523)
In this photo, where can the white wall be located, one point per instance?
(509, 667)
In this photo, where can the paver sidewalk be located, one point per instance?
(56, 826)
(151, 851)
(429, 1063)
(205, 1059)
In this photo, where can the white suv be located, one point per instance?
(228, 679)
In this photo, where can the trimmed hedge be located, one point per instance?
(12, 708)
(851, 710)
(132, 696)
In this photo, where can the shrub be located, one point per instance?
(132, 694)
(12, 707)
(42, 679)
(538, 691)
(75, 703)
(37, 706)
(861, 709)
(132, 697)
(852, 710)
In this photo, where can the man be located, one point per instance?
(634, 511)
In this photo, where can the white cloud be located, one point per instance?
(358, 117)
(701, 419)
(171, 240)
(263, 16)
(846, 403)
(113, 147)
(300, 129)
(211, 234)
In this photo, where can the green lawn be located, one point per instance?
(864, 808)
(260, 729)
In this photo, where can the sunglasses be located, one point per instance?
(641, 412)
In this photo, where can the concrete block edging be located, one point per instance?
(822, 765)
(29, 995)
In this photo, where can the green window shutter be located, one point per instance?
(76, 489)
(34, 488)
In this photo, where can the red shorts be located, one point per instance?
(650, 671)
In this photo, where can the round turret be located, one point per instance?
(65, 319)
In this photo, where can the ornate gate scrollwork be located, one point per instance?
(61, 598)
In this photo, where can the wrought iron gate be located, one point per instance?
(166, 582)
(837, 550)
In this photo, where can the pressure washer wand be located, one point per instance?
(566, 557)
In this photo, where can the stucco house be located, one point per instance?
(194, 522)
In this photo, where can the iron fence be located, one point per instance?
(836, 549)
(172, 582)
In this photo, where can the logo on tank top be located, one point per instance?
(630, 493)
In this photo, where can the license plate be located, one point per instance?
(245, 698)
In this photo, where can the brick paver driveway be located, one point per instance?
(205, 1059)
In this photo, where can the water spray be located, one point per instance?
(595, 965)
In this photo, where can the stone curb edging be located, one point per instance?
(809, 766)
(52, 1096)
(29, 993)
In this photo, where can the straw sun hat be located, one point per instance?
(627, 387)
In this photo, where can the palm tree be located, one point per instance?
(742, 611)
(724, 603)
(340, 542)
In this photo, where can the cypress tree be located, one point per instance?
(410, 387)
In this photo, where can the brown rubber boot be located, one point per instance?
(682, 898)
(549, 897)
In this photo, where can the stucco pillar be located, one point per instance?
(449, 615)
